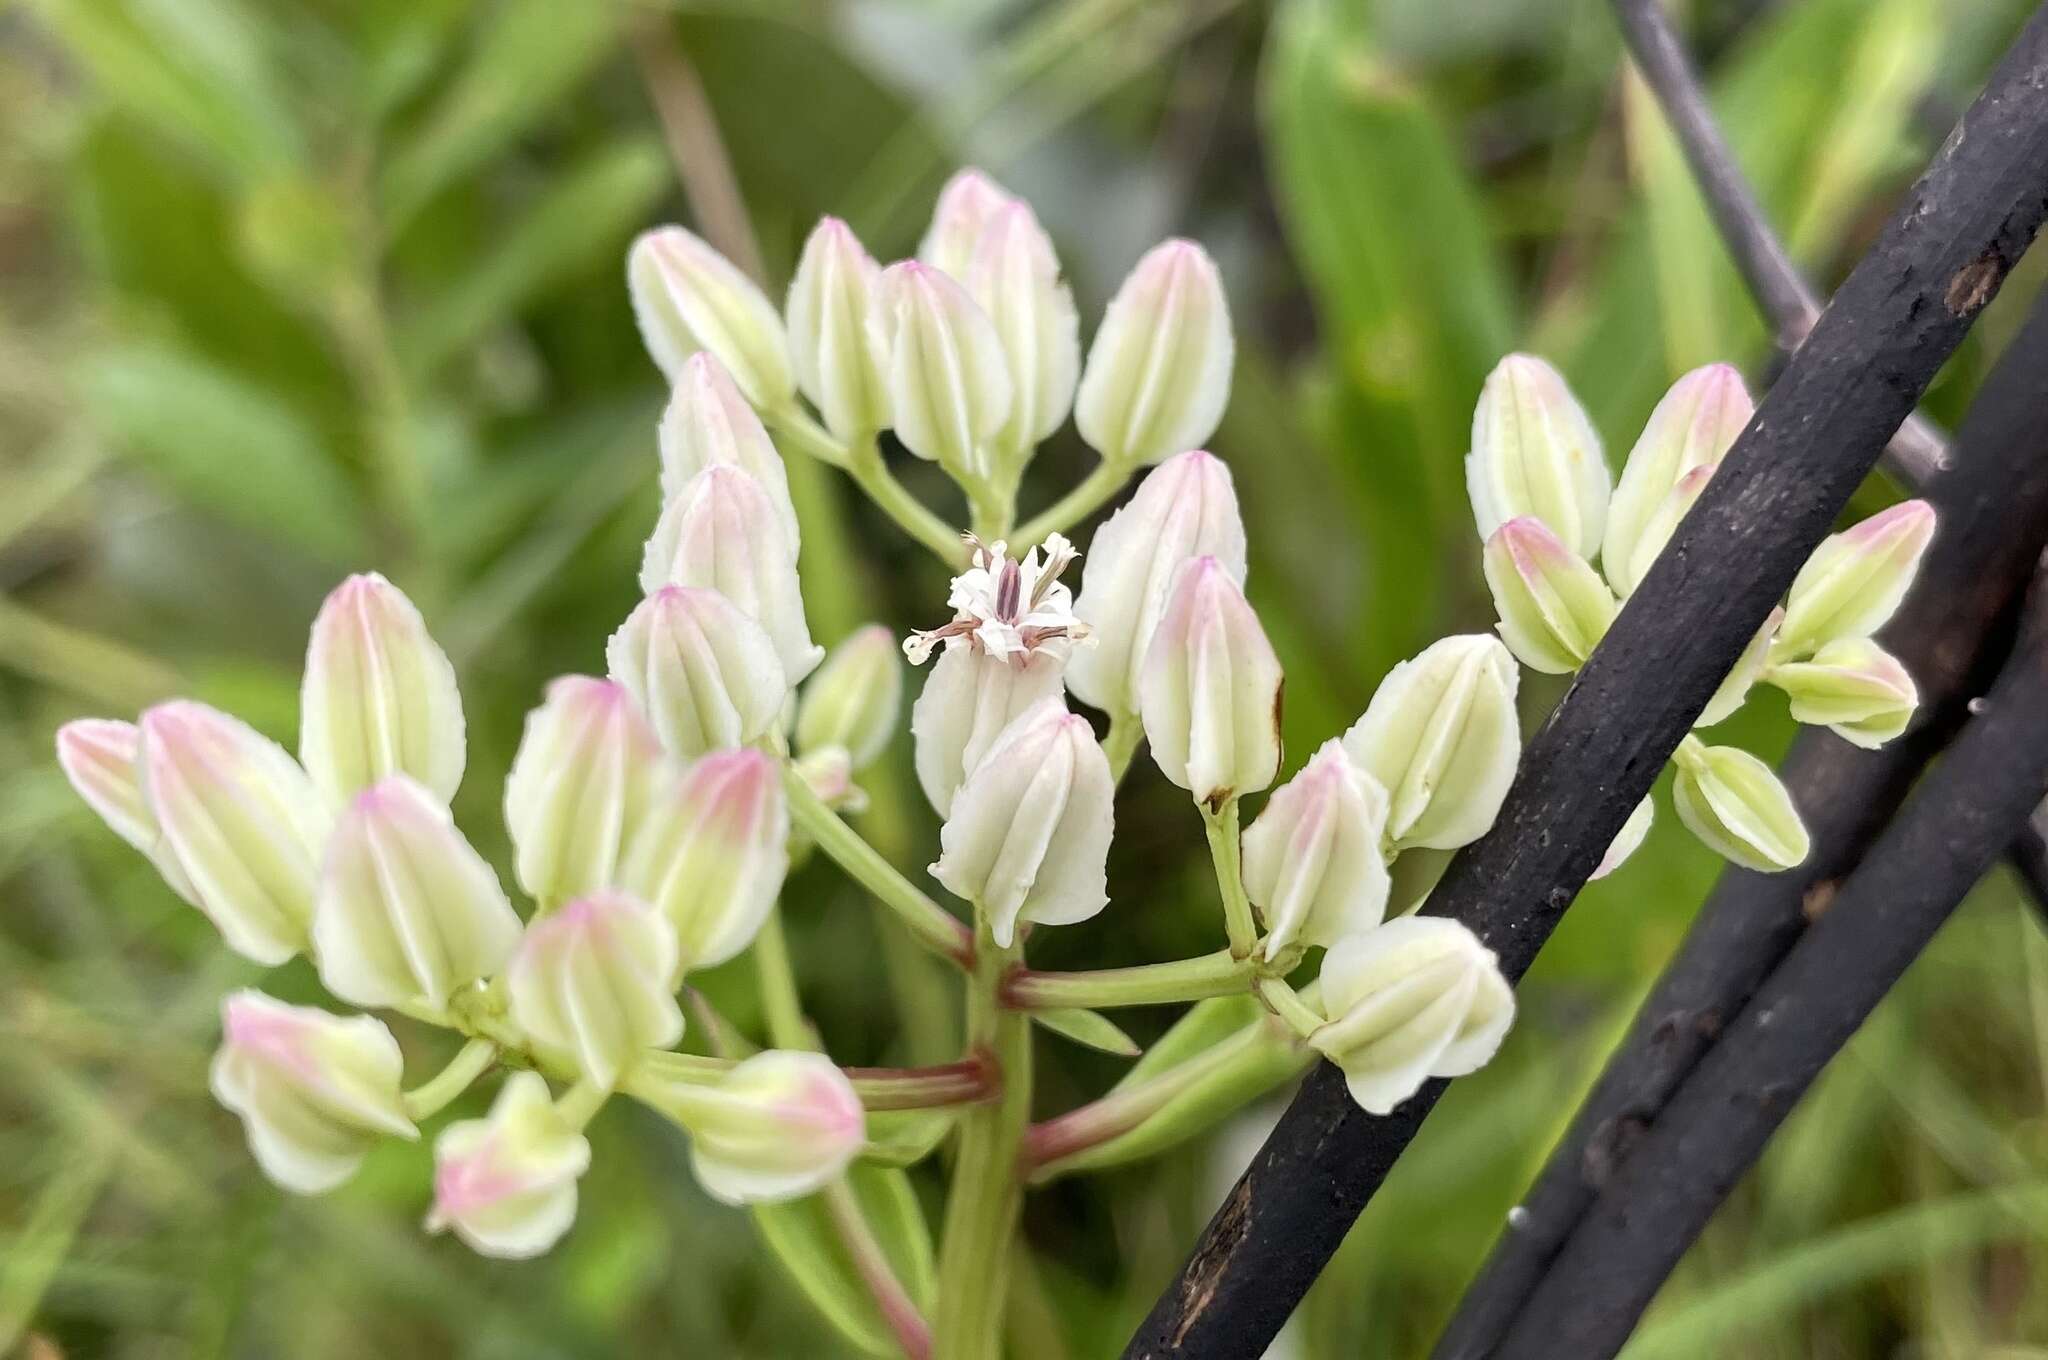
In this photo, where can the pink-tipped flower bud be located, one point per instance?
(1553, 606)
(1015, 277)
(1210, 694)
(1534, 452)
(1312, 861)
(949, 384)
(706, 675)
(1028, 835)
(855, 699)
(593, 984)
(314, 1090)
(507, 1183)
(1855, 579)
(1655, 531)
(1853, 686)
(1736, 806)
(777, 1127)
(1691, 430)
(687, 297)
(837, 363)
(1158, 374)
(98, 756)
(967, 701)
(966, 205)
(713, 855)
(587, 770)
(707, 423)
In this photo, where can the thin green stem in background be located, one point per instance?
(1237, 908)
(863, 462)
(1146, 984)
(1286, 1003)
(1088, 496)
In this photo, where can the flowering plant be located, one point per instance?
(655, 813)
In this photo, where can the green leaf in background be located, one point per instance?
(906, 1137)
(1091, 1029)
(802, 1236)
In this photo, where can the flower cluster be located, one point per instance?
(1546, 508)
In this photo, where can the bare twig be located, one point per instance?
(1819, 430)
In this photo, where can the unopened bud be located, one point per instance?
(593, 984)
(966, 205)
(778, 1126)
(98, 756)
(1628, 840)
(1737, 807)
(1534, 452)
(854, 699)
(967, 701)
(1158, 374)
(1853, 686)
(1210, 694)
(837, 363)
(1028, 835)
(1692, 428)
(1656, 531)
(587, 769)
(1015, 277)
(1312, 860)
(1554, 608)
(1748, 668)
(687, 297)
(507, 1183)
(707, 423)
(1442, 738)
(828, 772)
(949, 384)
(712, 856)
(705, 674)
(314, 1090)
(1415, 998)
(1855, 579)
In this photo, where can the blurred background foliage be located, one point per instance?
(295, 287)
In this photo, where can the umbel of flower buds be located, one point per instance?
(407, 912)
(378, 697)
(722, 533)
(778, 1126)
(1534, 452)
(1184, 508)
(1158, 374)
(1554, 608)
(1855, 579)
(593, 983)
(507, 1183)
(1210, 695)
(687, 297)
(1015, 278)
(241, 825)
(712, 855)
(1691, 429)
(838, 364)
(1441, 737)
(1732, 802)
(708, 423)
(1028, 835)
(705, 675)
(1312, 861)
(587, 769)
(314, 1090)
(1416, 998)
(949, 383)
(1854, 687)
(854, 699)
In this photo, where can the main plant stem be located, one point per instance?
(987, 1194)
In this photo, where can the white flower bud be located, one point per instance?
(1853, 686)
(778, 1126)
(587, 769)
(242, 826)
(854, 699)
(507, 1183)
(1184, 508)
(1628, 840)
(1736, 806)
(1554, 608)
(1534, 452)
(1442, 738)
(314, 1090)
(1656, 531)
(707, 423)
(1748, 668)
(593, 984)
(949, 385)
(406, 912)
(1028, 835)
(1855, 579)
(705, 674)
(713, 856)
(1015, 277)
(1158, 374)
(1416, 998)
(98, 756)
(1312, 861)
(966, 702)
(379, 696)
(966, 205)
(837, 363)
(721, 532)
(687, 297)
(828, 772)
(1692, 428)
(1210, 693)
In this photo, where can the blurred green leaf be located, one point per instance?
(906, 1137)
(1091, 1029)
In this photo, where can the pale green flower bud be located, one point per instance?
(1184, 508)
(241, 825)
(967, 701)
(1657, 530)
(1210, 694)
(722, 533)
(966, 205)
(1692, 428)
(828, 772)
(705, 674)
(854, 699)
(1442, 738)
(949, 385)
(379, 696)
(837, 363)
(1312, 861)
(593, 984)
(407, 912)
(1554, 608)
(1415, 998)
(707, 423)
(777, 1127)
(1158, 374)
(687, 297)
(713, 855)
(1028, 836)
(1737, 807)
(1015, 277)
(1853, 686)
(1855, 579)
(98, 756)
(1748, 669)
(314, 1090)
(1534, 452)
(1628, 840)
(507, 1183)
(587, 770)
